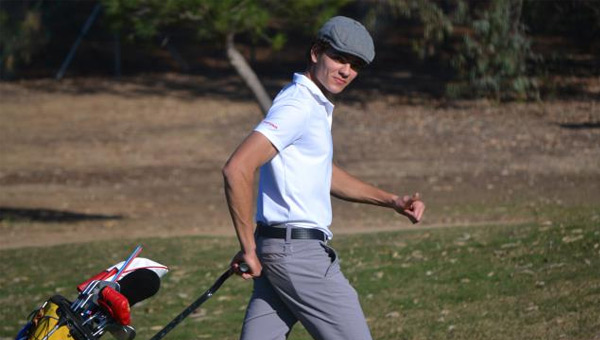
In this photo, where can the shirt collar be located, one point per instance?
(301, 79)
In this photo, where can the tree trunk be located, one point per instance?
(237, 60)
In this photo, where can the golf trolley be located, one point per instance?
(104, 301)
(103, 304)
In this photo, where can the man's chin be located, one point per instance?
(335, 89)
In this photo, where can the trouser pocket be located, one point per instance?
(270, 250)
(334, 263)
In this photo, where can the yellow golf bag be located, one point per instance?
(103, 304)
(54, 321)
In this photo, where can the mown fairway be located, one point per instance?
(509, 247)
(533, 281)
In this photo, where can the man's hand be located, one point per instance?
(411, 207)
(251, 260)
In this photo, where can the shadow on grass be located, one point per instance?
(580, 126)
(49, 215)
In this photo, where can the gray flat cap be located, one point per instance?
(348, 36)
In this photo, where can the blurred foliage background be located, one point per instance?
(500, 49)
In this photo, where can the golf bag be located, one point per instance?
(103, 304)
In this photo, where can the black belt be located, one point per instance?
(263, 230)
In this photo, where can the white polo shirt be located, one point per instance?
(295, 186)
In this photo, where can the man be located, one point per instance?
(296, 274)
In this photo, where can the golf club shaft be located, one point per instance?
(126, 264)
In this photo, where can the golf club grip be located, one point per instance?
(191, 308)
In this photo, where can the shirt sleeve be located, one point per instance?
(284, 124)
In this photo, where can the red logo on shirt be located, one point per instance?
(273, 125)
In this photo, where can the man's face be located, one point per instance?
(332, 71)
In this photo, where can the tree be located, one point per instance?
(222, 20)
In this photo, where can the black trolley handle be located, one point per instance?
(191, 308)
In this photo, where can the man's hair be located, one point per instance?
(320, 46)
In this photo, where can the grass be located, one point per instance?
(531, 281)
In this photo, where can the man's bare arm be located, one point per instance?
(350, 188)
(238, 174)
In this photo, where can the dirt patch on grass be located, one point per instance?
(93, 159)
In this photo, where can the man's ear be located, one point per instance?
(314, 56)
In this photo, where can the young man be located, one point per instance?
(296, 274)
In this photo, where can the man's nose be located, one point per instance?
(345, 70)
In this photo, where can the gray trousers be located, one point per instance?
(302, 281)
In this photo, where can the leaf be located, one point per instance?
(571, 239)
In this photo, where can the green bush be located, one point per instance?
(21, 37)
(492, 59)
(484, 44)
